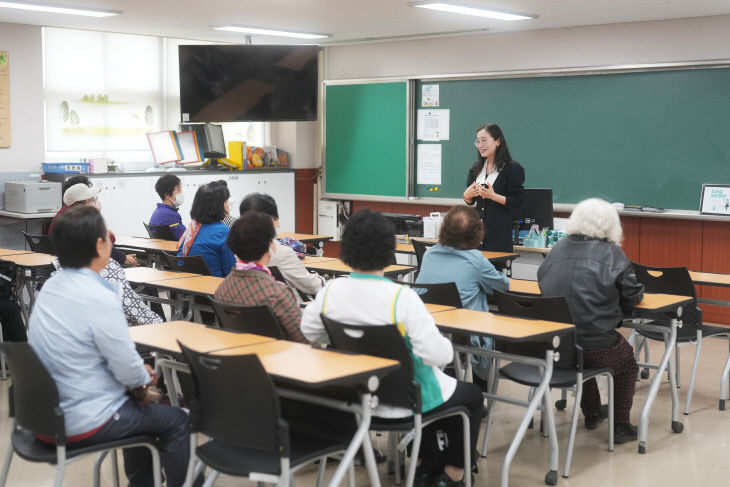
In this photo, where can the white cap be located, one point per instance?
(79, 192)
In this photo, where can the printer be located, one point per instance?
(32, 196)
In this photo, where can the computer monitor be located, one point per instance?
(216, 142)
(537, 207)
(210, 138)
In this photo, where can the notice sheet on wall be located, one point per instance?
(428, 164)
(4, 99)
(433, 125)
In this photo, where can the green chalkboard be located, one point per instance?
(649, 138)
(366, 141)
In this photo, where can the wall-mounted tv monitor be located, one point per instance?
(248, 83)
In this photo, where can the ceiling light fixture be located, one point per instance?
(269, 32)
(471, 10)
(58, 9)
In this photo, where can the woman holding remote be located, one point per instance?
(495, 183)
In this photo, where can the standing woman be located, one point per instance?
(495, 184)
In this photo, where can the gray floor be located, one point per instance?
(697, 457)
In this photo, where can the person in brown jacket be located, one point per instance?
(250, 283)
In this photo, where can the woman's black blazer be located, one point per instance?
(497, 219)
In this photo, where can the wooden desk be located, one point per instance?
(512, 329)
(288, 363)
(338, 268)
(164, 336)
(404, 248)
(500, 327)
(538, 250)
(301, 364)
(30, 259)
(4, 252)
(314, 260)
(147, 244)
(143, 275)
(437, 308)
(525, 287)
(198, 285)
(710, 278)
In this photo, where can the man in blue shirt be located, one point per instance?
(79, 332)
(167, 213)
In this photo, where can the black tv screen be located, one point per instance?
(248, 83)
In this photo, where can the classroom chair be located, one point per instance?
(276, 274)
(162, 232)
(676, 280)
(568, 372)
(240, 416)
(39, 243)
(399, 388)
(34, 407)
(194, 263)
(420, 248)
(258, 320)
(443, 293)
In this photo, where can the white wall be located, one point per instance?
(23, 42)
(703, 38)
(299, 139)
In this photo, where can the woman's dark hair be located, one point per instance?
(71, 181)
(461, 229)
(208, 204)
(259, 202)
(502, 156)
(74, 235)
(368, 242)
(251, 235)
(165, 186)
(222, 186)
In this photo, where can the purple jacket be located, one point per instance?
(168, 215)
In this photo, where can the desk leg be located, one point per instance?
(552, 476)
(723, 383)
(361, 438)
(179, 305)
(529, 413)
(655, 383)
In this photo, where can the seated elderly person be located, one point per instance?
(78, 330)
(366, 297)
(250, 282)
(284, 258)
(457, 258)
(598, 282)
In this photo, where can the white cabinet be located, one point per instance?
(127, 201)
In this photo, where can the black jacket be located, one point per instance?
(598, 282)
(497, 219)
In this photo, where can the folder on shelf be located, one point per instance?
(165, 146)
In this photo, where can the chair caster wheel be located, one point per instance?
(645, 373)
(551, 478)
(561, 404)
(677, 427)
(722, 404)
(642, 449)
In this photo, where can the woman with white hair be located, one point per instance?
(598, 282)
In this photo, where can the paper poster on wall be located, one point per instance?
(429, 164)
(430, 96)
(433, 125)
(715, 199)
(4, 99)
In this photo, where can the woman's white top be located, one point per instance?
(482, 176)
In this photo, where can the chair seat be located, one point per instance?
(529, 375)
(687, 334)
(406, 423)
(30, 448)
(240, 461)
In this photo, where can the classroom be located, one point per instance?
(621, 100)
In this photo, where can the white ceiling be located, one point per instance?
(351, 20)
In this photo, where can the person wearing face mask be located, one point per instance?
(496, 185)
(167, 213)
(250, 282)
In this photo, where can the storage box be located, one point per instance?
(32, 196)
(65, 167)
